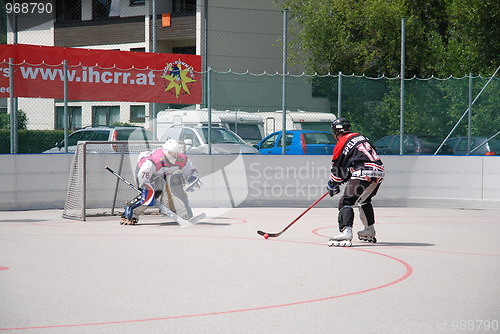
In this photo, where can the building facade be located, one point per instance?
(232, 37)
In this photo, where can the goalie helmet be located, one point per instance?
(171, 149)
(340, 125)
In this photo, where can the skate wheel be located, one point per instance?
(374, 240)
(343, 243)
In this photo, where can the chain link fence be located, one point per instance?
(242, 73)
(431, 107)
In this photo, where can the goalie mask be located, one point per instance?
(171, 149)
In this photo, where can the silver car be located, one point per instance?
(104, 133)
(195, 137)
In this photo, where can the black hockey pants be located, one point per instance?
(357, 192)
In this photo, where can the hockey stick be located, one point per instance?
(275, 235)
(158, 204)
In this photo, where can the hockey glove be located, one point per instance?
(333, 188)
(193, 183)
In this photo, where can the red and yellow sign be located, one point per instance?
(100, 75)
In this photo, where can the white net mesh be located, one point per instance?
(93, 190)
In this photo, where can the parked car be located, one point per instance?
(195, 137)
(412, 144)
(298, 142)
(104, 133)
(478, 145)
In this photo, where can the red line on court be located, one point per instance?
(408, 272)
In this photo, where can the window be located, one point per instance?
(137, 2)
(133, 133)
(105, 8)
(190, 135)
(318, 138)
(269, 142)
(68, 10)
(288, 140)
(100, 135)
(246, 131)
(183, 7)
(105, 115)
(220, 135)
(187, 50)
(138, 49)
(74, 138)
(138, 114)
(74, 118)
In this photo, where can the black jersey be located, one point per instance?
(355, 157)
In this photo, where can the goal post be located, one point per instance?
(92, 190)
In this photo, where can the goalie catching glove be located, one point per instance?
(333, 188)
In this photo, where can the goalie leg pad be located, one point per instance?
(129, 208)
(177, 197)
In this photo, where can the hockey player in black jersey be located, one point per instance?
(356, 163)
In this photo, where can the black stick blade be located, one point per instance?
(271, 235)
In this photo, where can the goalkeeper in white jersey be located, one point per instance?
(166, 171)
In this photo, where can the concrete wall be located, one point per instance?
(39, 181)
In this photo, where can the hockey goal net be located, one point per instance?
(94, 191)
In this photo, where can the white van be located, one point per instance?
(170, 117)
(249, 126)
(297, 120)
(191, 128)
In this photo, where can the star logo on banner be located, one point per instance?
(178, 76)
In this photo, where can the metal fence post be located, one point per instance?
(283, 93)
(13, 110)
(209, 110)
(339, 96)
(152, 106)
(469, 125)
(65, 122)
(402, 92)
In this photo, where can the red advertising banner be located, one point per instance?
(100, 75)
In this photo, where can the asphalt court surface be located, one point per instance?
(433, 270)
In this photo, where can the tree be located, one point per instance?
(22, 121)
(443, 37)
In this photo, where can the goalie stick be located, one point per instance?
(275, 235)
(158, 204)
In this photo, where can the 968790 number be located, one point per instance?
(29, 8)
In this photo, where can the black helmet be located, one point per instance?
(341, 125)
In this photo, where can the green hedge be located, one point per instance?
(31, 141)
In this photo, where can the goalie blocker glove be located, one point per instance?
(194, 183)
